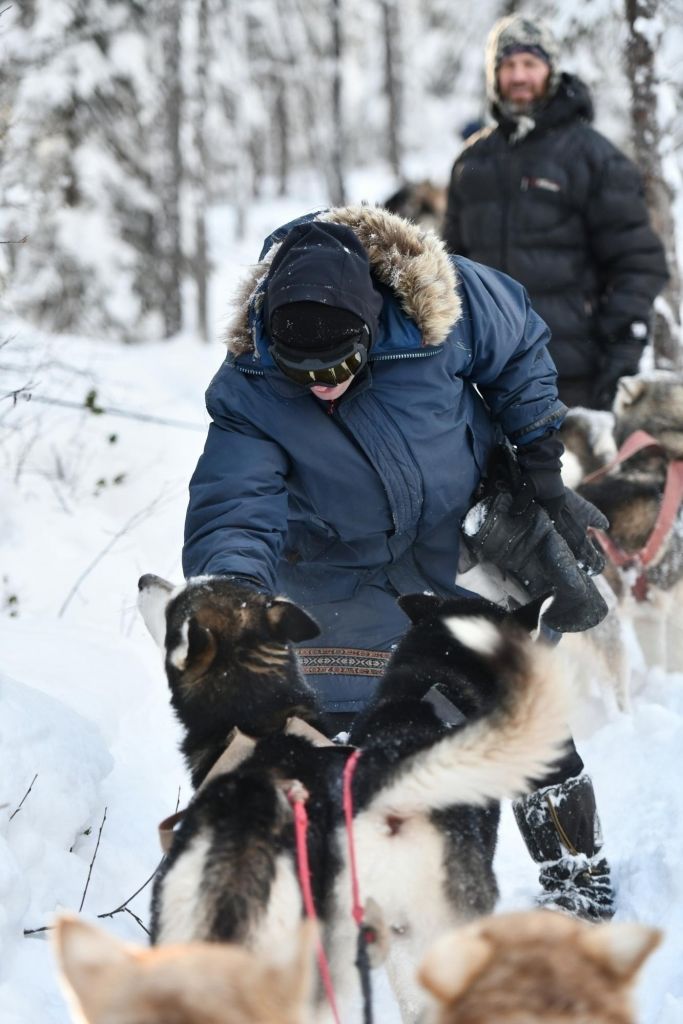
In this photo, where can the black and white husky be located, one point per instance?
(424, 794)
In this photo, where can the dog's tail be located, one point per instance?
(501, 753)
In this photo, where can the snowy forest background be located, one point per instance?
(123, 123)
(146, 149)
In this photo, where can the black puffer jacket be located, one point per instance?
(562, 211)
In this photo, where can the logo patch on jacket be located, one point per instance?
(545, 183)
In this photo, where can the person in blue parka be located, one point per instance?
(368, 379)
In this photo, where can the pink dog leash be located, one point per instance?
(297, 799)
(367, 934)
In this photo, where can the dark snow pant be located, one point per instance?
(568, 766)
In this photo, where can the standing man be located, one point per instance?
(546, 198)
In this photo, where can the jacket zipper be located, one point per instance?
(433, 350)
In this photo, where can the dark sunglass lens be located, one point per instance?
(330, 376)
(340, 373)
(298, 376)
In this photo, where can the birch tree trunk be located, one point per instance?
(645, 30)
(282, 132)
(169, 14)
(393, 82)
(200, 262)
(336, 178)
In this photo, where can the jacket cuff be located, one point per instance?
(550, 420)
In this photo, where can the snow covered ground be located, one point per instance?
(90, 501)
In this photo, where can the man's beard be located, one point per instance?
(522, 108)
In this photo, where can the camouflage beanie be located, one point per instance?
(517, 34)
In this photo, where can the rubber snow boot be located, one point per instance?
(561, 829)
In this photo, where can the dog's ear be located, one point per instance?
(629, 390)
(453, 963)
(195, 650)
(86, 954)
(153, 597)
(286, 621)
(529, 616)
(419, 606)
(621, 947)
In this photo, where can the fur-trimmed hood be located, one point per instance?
(516, 30)
(413, 263)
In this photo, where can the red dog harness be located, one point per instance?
(672, 499)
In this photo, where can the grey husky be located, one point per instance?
(648, 597)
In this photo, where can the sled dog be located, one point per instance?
(229, 661)
(630, 495)
(424, 795)
(109, 982)
(428, 797)
(588, 439)
(422, 202)
(538, 967)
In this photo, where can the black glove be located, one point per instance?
(539, 480)
(572, 524)
(620, 358)
(530, 549)
(539, 476)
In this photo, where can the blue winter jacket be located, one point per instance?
(342, 508)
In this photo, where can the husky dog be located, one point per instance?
(424, 824)
(428, 782)
(588, 439)
(537, 967)
(630, 496)
(422, 202)
(231, 873)
(109, 982)
(229, 661)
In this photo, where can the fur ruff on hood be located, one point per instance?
(412, 262)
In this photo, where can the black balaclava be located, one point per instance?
(314, 327)
(320, 295)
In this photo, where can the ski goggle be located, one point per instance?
(311, 371)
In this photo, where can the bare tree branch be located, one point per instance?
(16, 811)
(136, 918)
(129, 524)
(92, 405)
(124, 906)
(36, 931)
(97, 846)
(24, 389)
